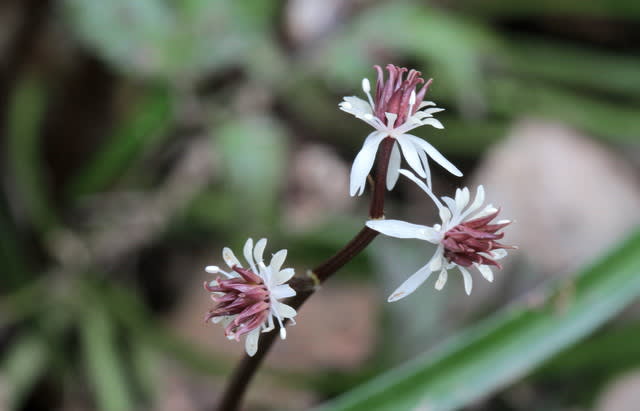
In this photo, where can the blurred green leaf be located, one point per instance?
(146, 125)
(528, 98)
(178, 41)
(141, 323)
(254, 151)
(25, 361)
(14, 262)
(24, 151)
(508, 345)
(573, 66)
(146, 367)
(104, 363)
(625, 9)
(454, 46)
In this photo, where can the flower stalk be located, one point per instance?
(243, 374)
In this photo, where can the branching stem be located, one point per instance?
(247, 368)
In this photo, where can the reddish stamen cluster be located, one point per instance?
(393, 95)
(245, 297)
(464, 242)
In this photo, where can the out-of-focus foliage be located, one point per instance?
(136, 137)
(509, 344)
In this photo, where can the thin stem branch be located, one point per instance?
(247, 368)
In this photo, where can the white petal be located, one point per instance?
(282, 291)
(435, 155)
(230, 258)
(486, 272)
(277, 260)
(453, 207)
(437, 260)
(424, 188)
(430, 121)
(445, 215)
(283, 276)
(489, 209)
(411, 283)
(391, 119)
(363, 163)
(248, 254)
(356, 106)
(498, 254)
(431, 111)
(462, 198)
(401, 229)
(477, 202)
(212, 269)
(442, 279)
(468, 282)
(258, 252)
(286, 311)
(251, 342)
(426, 103)
(425, 165)
(283, 332)
(393, 172)
(411, 155)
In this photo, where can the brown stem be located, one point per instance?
(247, 368)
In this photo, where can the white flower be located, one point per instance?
(248, 298)
(464, 239)
(396, 110)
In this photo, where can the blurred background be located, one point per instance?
(140, 137)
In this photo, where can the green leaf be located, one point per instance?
(25, 162)
(508, 345)
(25, 361)
(609, 121)
(148, 123)
(104, 363)
(453, 45)
(141, 324)
(574, 66)
(179, 41)
(254, 155)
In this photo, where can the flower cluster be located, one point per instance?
(248, 298)
(466, 237)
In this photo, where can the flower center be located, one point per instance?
(245, 297)
(398, 94)
(474, 240)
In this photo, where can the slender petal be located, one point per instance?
(363, 163)
(277, 260)
(393, 171)
(286, 311)
(486, 272)
(282, 291)
(283, 276)
(411, 155)
(411, 283)
(401, 229)
(248, 254)
(435, 155)
(251, 343)
(442, 279)
(230, 258)
(468, 282)
(258, 251)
